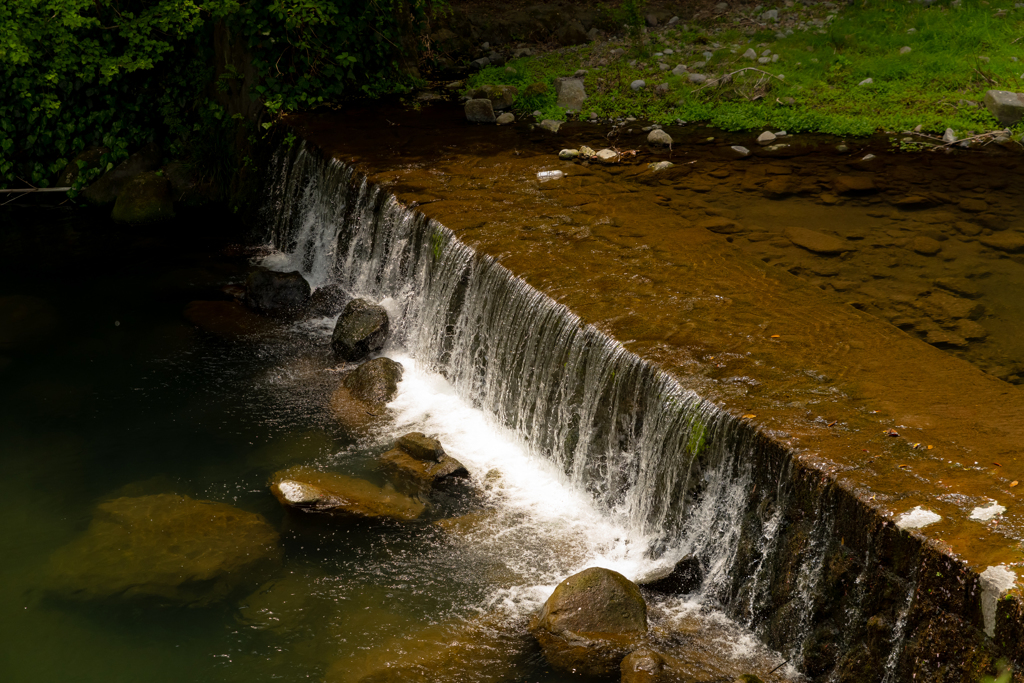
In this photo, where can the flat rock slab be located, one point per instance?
(308, 490)
(167, 548)
(1011, 242)
(415, 476)
(1006, 106)
(421, 446)
(819, 243)
(853, 184)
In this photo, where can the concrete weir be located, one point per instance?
(878, 534)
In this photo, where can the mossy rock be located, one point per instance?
(146, 198)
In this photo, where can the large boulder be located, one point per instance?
(166, 548)
(146, 198)
(1007, 107)
(570, 93)
(277, 294)
(107, 187)
(480, 110)
(307, 490)
(591, 621)
(86, 161)
(375, 381)
(361, 330)
(326, 301)
(417, 464)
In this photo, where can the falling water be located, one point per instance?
(672, 467)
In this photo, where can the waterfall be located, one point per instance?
(687, 478)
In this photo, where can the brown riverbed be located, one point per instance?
(699, 269)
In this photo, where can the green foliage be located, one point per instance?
(76, 74)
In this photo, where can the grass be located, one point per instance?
(958, 51)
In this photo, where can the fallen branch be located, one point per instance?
(26, 190)
(715, 82)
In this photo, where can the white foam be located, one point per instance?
(984, 514)
(917, 518)
(293, 491)
(537, 508)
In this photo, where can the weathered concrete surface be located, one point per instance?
(826, 384)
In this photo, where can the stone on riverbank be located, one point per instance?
(659, 139)
(568, 154)
(166, 548)
(480, 111)
(591, 621)
(570, 93)
(277, 294)
(550, 125)
(1007, 107)
(506, 118)
(361, 330)
(607, 156)
(308, 490)
(145, 198)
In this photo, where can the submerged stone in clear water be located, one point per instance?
(168, 548)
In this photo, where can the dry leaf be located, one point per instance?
(1013, 483)
(749, 415)
(891, 432)
(831, 423)
(930, 447)
(776, 336)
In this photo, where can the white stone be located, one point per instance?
(949, 136)
(750, 54)
(697, 78)
(637, 85)
(995, 581)
(984, 514)
(679, 70)
(766, 138)
(608, 156)
(917, 518)
(866, 81)
(905, 49)
(740, 150)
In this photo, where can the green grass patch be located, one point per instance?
(957, 52)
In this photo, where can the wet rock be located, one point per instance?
(225, 318)
(570, 93)
(487, 648)
(361, 330)
(643, 666)
(607, 156)
(683, 577)
(505, 119)
(945, 338)
(660, 166)
(26, 322)
(106, 188)
(925, 246)
(587, 151)
(779, 187)
(945, 308)
(568, 154)
(550, 125)
(145, 198)
(816, 242)
(277, 294)
(572, 33)
(480, 111)
(1007, 107)
(959, 286)
(1011, 242)
(86, 161)
(736, 152)
(375, 381)
(417, 477)
(659, 139)
(421, 447)
(915, 202)
(973, 205)
(590, 622)
(766, 138)
(326, 301)
(307, 490)
(166, 548)
(847, 184)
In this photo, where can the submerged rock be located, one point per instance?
(361, 330)
(550, 125)
(850, 184)
(489, 648)
(643, 666)
(684, 577)
(26, 322)
(825, 245)
(659, 139)
(591, 621)
(225, 318)
(306, 489)
(146, 198)
(168, 548)
(277, 294)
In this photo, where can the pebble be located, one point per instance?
(905, 49)
(697, 78)
(506, 118)
(866, 81)
(750, 54)
(679, 70)
(766, 138)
